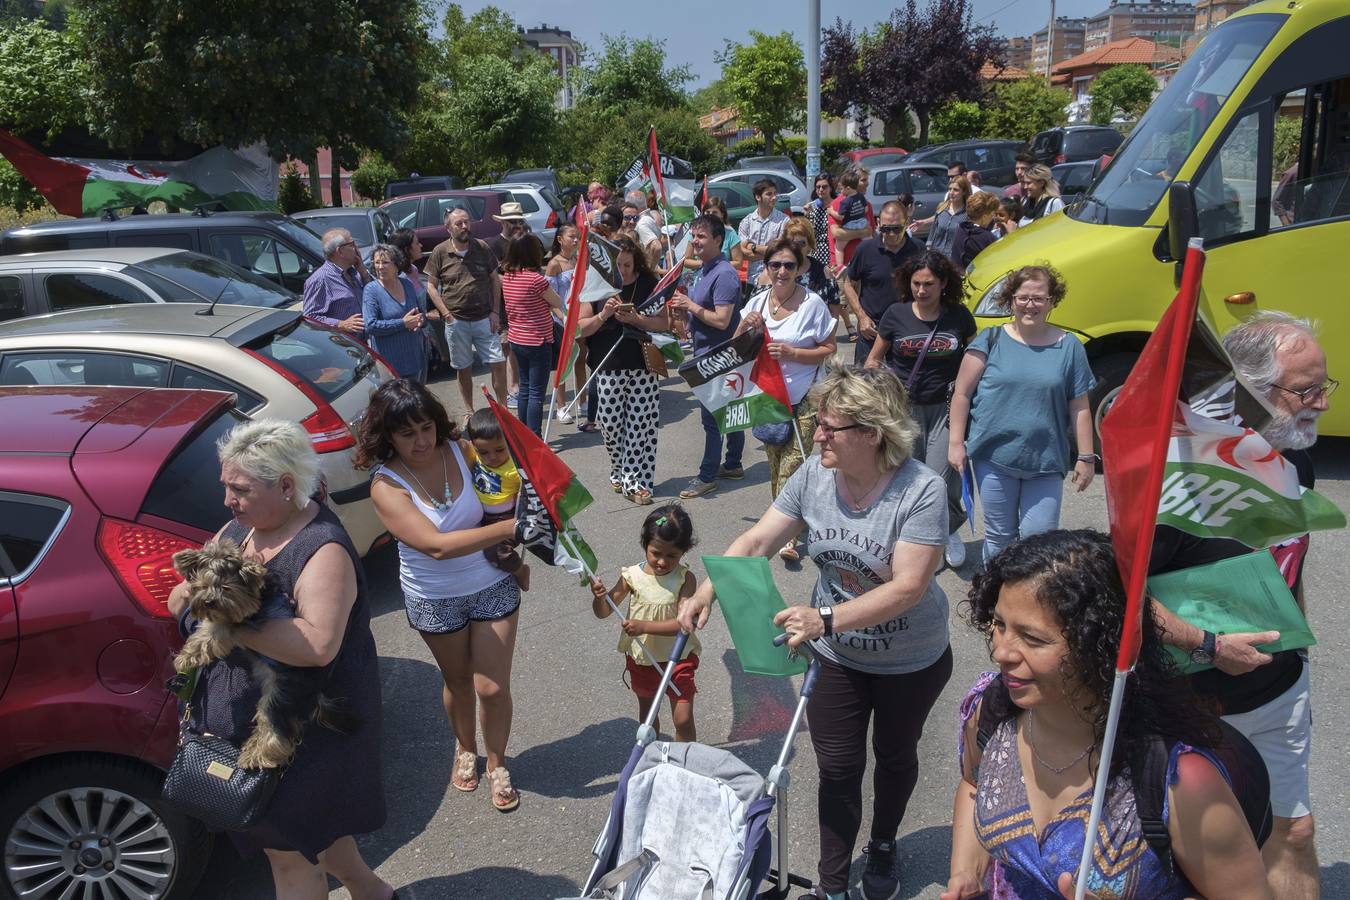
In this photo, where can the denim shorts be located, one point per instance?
(447, 615)
(468, 339)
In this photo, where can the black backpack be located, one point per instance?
(1246, 773)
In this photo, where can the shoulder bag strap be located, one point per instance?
(923, 354)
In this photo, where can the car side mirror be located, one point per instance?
(1183, 222)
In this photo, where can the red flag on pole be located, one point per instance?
(703, 199)
(567, 348)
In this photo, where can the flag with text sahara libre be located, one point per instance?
(740, 383)
(660, 296)
(87, 187)
(550, 496)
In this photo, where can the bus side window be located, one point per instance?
(1226, 195)
(1312, 158)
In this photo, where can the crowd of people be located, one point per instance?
(930, 401)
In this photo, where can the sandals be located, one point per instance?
(504, 797)
(616, 486)
(640, 496)
(789, 553)
(588, 427)
(464, 775)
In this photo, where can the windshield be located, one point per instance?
(193, 278)
(303, 236)
(357, 224)
(1163, 139)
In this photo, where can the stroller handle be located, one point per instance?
(812, 670)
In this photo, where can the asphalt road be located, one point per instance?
(574, 719)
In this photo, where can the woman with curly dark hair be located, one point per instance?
(1022, 385)
(462, 606)
(922, 339)
(1052, 607)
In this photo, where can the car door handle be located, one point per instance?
(1242, 298)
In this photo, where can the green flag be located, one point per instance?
(749, 600)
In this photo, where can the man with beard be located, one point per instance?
(1265, 696)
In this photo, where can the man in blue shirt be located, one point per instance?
(710, 307)
(333, 292)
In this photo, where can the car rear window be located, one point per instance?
(303, 236)
(475, 205)
(359, 226)
(188, 489)
(324, 358)
(194, 278)
(27, 524)
(551, 199)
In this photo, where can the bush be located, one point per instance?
(958, 121)
(17, 192)
(293, 193)
(371, 177)
(1288, 136)
(12, 218)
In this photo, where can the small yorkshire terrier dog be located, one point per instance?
(225, 594)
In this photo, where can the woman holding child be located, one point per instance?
(464, 606)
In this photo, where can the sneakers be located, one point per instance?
(697, 487)
(879, 881)
(818, 893)
(562, 415)
(512, 401)
(735, 473)
(956, 551)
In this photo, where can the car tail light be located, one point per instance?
(1060, 158)
(326, 429)
(552, 219)
(142, 559)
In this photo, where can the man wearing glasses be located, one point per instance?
(1265, 696)
(869, 284)
(333, 292)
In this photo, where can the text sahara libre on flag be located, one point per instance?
(740, 383)
(660, 296)
(241, 179)
(550, 495)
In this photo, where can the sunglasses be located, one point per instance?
(630, 218)
(891, 229)
(778, 265)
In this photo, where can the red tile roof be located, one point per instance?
(989, 72)
(1118, 53)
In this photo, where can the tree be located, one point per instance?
(596, 146)
(254, 70)
(959, 121)
(42, 79)
(374, 174)
(713, 95)
(292, 193)
(1128, 89)
(632, 73)
(767, 81)
(842, 89)
(1019, 109)
(501, 114)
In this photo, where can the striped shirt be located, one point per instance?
(528, 322)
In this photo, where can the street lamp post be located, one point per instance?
(812, 90)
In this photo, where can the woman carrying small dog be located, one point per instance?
(270, 470)
(462, 606)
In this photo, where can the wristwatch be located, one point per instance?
(1089, 457)
(1204, 654)
(827, 616)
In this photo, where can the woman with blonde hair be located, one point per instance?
(316, 614)
(876, 523)
(951, 212)
(1042, 194)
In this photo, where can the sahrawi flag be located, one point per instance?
(664, 341)
(740, 383)
(676, 197)
(550, 496)
(87, 187)
(567, 347)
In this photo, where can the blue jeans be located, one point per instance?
(533, 363)
(1015, 507)
(712, 447)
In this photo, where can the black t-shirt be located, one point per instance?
(873, 269)
(629, 352)
(907, 333)
(1174, 550)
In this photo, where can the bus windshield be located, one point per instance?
(1134, 182)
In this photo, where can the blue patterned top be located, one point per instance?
(1026, 867)
(403, 349)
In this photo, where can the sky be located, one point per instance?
(695, 29)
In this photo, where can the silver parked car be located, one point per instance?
(925, 182)
(788, 184)
(543, 210)
(35, 283)
(275, 362)
(368, 225)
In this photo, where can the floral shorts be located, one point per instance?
(451, 614)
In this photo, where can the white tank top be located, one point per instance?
(424, 578)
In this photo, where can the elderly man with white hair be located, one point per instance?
(333, 292)
(1265, 695)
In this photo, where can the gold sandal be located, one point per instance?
(464, 776)
(504, 797)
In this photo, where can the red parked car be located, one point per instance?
(869, 158)
(99, 487)
(425, 214)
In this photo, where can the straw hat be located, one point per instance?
(511, 212)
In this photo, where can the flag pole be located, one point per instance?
(1103, 777)
(591, 377)
(548, 416)
(798, 432)
(585, 567)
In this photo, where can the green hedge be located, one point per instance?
(796, 149)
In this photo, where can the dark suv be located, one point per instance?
(266, 243)
(992, 159)
(1075, 143)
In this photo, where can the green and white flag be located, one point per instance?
(653, 305)
(740, 383)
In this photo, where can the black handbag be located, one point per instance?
(206, 782)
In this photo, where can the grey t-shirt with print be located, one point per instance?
(853, 551)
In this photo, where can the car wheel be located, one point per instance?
(97, 828)
(1111, 371)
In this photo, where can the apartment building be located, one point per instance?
(563, 49)
(1164, 23)
(1068, 42)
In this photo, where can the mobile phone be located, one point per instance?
(624, 308)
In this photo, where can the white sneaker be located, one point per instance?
(956, 551)
(562, 415)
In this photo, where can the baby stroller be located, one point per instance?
(691, 822)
